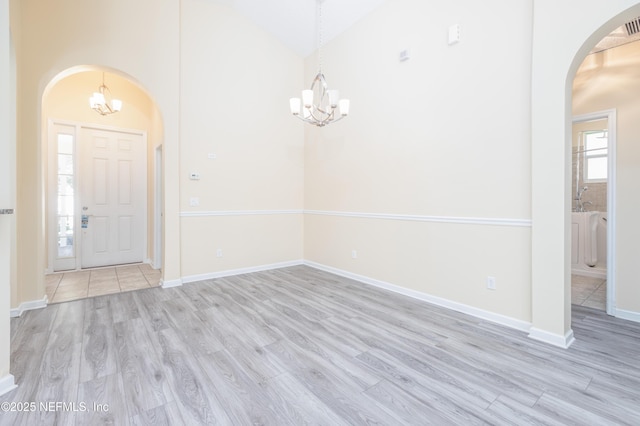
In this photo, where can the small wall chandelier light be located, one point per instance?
(328, 107)
(101, 101)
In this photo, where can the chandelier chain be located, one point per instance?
(320, 35)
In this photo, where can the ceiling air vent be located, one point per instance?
(633, 27)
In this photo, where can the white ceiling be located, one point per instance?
(293, 22)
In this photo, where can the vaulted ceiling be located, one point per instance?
(294, 22)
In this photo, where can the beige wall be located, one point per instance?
(235, 84)
(246, 241)
(443, 136)
(445, 260)
(608, 80)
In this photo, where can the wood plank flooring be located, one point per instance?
(299, 346)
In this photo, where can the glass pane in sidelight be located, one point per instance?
(65, 196)
(65, 205)
(65, 185)
(65, 144)
(65, 236)
(65, 251)
(65, 164)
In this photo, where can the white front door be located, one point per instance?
(113, 197)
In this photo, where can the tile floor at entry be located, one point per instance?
(73, 285)
(589, 292)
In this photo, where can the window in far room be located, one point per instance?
(595, 155)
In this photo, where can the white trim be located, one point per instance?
(238, 213)
(158, 186)
(422, 218)
(552, 338)
(240, 271)
(171, 283)
(406, 217)
(459, 307)
(29, 306)
(7, 384)
(627, 315)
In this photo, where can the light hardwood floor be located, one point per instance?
(300, 346)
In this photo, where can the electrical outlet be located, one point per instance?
(354, 254)
(194, 202)
(219, 253)
(491, 283)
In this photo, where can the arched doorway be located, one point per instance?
(77, 142)
(611, 78)
(555, 62)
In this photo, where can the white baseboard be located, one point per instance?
(459, 307)
(28, 306)
(627, 315)
(7, 384)
(231, 272)
(552, 338)
(170, 283)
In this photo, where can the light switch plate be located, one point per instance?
(454, 34)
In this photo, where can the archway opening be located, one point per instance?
(555, 62)
(121, 225)
(604, 76)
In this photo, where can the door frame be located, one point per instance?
(51, 189)
(610, 116)
(158, 215)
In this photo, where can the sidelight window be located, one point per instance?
(65, 197)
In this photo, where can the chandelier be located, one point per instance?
(101, 101)
(328, 107)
